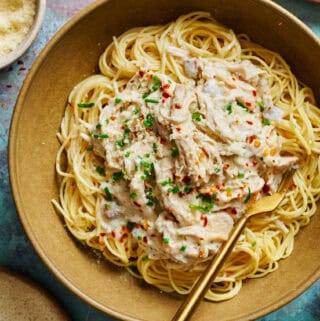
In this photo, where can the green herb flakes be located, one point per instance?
(117, 176)
(196, 116)
(108, 194)
(174, 152)
(85, 105)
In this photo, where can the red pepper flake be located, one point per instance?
(247, 103)
(141, 73)
(229, 273)
(113, 234)
(308, 176)
(205, 220)
(136, 204)
(250, 139)
(145, 240)
(113, 118)
(9, 86)
(123, 127)
(23, 68)
(254, 93)
(217, 199)
(162, 140)
(20, 62)
(141, 117)
(266, 188)
(226, 166)
(201, 238)
(254, 163)
(249, 122)
(218, 187)
(247, 164)
(233, 211)
(165, 86)
(123, 237)
(177, 106)
(102, 234)
(136, 225)
(163, 100)
(178, 129)
(126, 249)
(166, 94)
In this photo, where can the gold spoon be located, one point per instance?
(265, 204)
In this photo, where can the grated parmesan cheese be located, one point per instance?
(16, 18)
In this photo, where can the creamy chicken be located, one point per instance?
(184, 161)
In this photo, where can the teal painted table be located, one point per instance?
(16, 251)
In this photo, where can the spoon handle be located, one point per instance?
(207, 277)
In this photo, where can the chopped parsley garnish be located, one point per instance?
(199, 207)
(145, 258)
(107, 206)
(187, 189)
(147, 155)
(156, 83)
(166, 182)
(127, 154)
(217, 170)
(146, 165)
(254, 243)
(247, 199)
(148, 121)
(241, 175)
(152, 101)
(133, 195)
(125, 136)
(182, 248)
(136, 111)
(108, 194)
(117, 176)
(154, 147)
(240, 104)
(98, 126)
(144, 96)
(174, 189)
(174, 151)
(130, 225)
(196, 116)
(100, 170)
(166, 240)
(229, 108)
(151, 199)
(100, 136)
(85, 105)
(90, 149)
(261, 105)
(107, 121)
(266, 122)
(118, 100)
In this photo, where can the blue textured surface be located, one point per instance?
(16, 251)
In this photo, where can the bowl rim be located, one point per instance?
(15, 184)
(30, 37)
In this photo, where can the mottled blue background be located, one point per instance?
(15, 249)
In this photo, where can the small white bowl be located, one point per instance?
(8, 59)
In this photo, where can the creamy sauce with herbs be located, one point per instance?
(184, 161)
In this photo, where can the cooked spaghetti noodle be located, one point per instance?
(162, 50)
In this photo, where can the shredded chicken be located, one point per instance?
(186, 160)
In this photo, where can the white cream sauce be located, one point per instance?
(184, 161)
